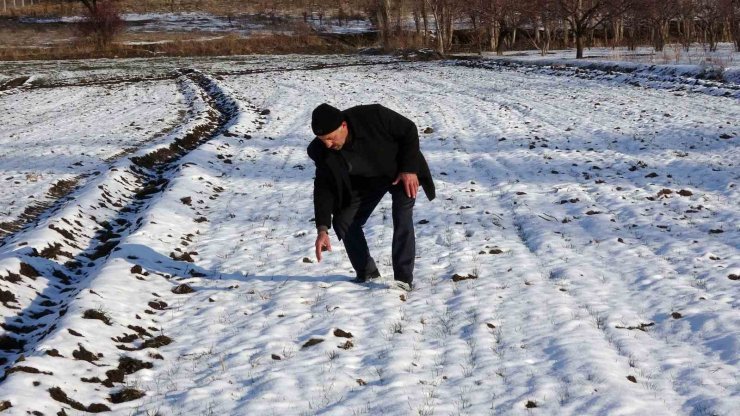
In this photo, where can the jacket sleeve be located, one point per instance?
(405, 133)
(323, 198)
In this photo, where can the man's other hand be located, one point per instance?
(410, 183)
(322, 243)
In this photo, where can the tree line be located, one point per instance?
(494, 25)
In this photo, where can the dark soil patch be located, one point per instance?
(7, 296)
(458, 277)
(186, 200)
(347, 345)
(114, 376)
(85, 355)
(158, 157)
(139, 330)
(131, 365)
(97, 314)
(632, 379)
(13, 83)
(685, 192)
(52, 251)
(137, 269)
(98, 408)
(103, 250)
(642, 327)
(61, 276)
(343, 334)
(65, 233)
(158, 305)
(734, 277)
(54, 353)
(311, 342)
(25, 369)
(716, 231)
(126, 395)
(530, 404)
(25, 329)
(182, 257)
(126, 338)
(59, 395)
(8, 343)
(91, 380)
(28, 271)
(156, 342)
(40, 314)
(182, 289)
(676, 315)
(75, 333)
(12, 277)
(5, 405)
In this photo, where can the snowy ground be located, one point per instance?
(672, 54)
(581, 258)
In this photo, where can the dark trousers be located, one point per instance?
(348, 226)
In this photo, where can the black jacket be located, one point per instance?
(392, 143)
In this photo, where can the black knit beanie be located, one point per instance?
(325, 119)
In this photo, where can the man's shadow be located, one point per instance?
(154, 262)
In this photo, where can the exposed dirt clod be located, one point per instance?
(311, 342)
(156, 342)
(130, 365)
(8, 343)
(85, 355)
(126, 395)
(182, 289)
(97, 314)
(458, 277)
(28, 271)
(343, 334)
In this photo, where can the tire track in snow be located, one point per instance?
(128, 191)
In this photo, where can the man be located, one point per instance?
(361, 154)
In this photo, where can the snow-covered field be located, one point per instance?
(582, 256)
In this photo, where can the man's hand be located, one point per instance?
(410, 183)
(322, 243)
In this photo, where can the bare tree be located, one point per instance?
(709, 20)
(541, 17)
(732, 11)
(444, 13)
(658, 14)
(583, 16)
(102, 21)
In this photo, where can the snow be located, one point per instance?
(242, 24)
(644, 62)
(598, 217)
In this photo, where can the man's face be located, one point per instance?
(336, 139)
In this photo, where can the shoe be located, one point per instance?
(408, 287)
(369, 276)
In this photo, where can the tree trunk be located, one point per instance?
(384, 22)
(579, 44)
(735, 25)
(500, 41)
(426, 22)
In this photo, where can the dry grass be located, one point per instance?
(217, 7)
(180, 46)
